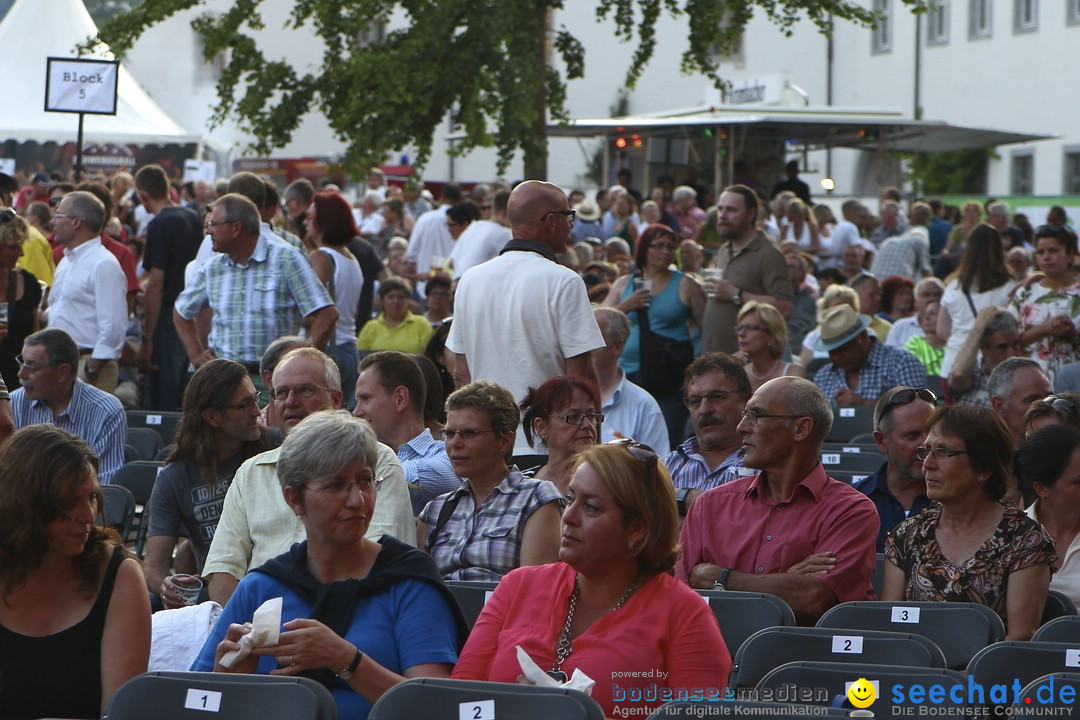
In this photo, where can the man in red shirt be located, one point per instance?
(790, 530)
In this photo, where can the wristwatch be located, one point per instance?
(737, 298)
(347, 673)
(721, 579)
(680, 500)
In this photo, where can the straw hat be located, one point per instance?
(839, 326)
(588, 210)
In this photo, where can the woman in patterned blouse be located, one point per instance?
(969, 546)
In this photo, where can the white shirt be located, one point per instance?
(516, 320)
(903, 330)
(430, 238)
(478, 243)
(88, 299)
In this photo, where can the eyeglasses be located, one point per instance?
(570, 215)
(749, 327)
(922, 452)
(752, 416)
(245, 404)
(579, 418)
(906, 397)
(304, 392)
(30, 367)
(56, 200)
(210, 224)
(1051, 230)
(715, 397)
(61, 216)
(467, 434)
(1061, 405)
(340, 488)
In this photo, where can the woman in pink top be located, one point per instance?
(611, 607)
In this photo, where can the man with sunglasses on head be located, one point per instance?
(715, 391)
(788, 530)
(256, 523)
(898, 488)
(521, 317)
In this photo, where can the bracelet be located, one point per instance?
(4, 395)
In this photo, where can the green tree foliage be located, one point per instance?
(485, 62)
(961, 172)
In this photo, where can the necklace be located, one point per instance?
(563, 645)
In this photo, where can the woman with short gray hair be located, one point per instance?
(361, 616)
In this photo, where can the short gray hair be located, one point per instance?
(1000, 382)
(274, 351)
(323, 445)
(373, 196)
(1004, 321)
(614, 324)
(805, 399)
(60, 348)
(331, 374)
(998, 207)
(89, 209)
(242, 210)
(683, 191)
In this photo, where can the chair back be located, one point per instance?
(767, 649)
(1046, 692)
(471, 596)
(748, 708)
(139, 478)
(1006, 663)
(849, 422)
(741, 614)
(439, 699)
(119, 509)
(1064, 629)
(959, 629)
(824, 683)
(197, 696)
(1058, 604)
(146, 441)
(164, 422)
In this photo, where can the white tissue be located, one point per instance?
(533, 673)
(265, 629)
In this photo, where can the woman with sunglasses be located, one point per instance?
(74, 612)
(563, 416)
(763, 338)
(1061, 408)
(969, 546)
(1047, 467)
(359, 615)
(670, 301)
(610, 608)
(1048, 310)
(20, 295)
(498, 519)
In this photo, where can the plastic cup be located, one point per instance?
(188, 587)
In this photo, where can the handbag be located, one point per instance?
(663, 360)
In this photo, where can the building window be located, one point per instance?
(1071, 184)
(1072, 12)
(881, 41)
(1025, 15)
(981, 22)
(1023, 174)
(937, 23)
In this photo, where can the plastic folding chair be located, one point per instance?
(471, 596)
(1058, 604)
(163, 422)
(851, 462)
(1065, 629)
(1045, 692)
(741, 614)
(119, 509)
(197, 696)
(1005, 663)
(959, 629)
(850, 422)
(139, 477)
(147, 441)
(439, 699)
(769, 648)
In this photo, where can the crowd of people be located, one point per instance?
(600, 403)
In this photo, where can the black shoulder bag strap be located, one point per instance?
(444, 514)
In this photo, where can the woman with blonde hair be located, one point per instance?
(610, 607)
(763, 337)
(801, 227)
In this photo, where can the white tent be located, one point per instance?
(34, 30)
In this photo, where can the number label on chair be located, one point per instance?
(153, 419)
(205, 700)
(830, 458)
(1072, 658)
(487, 596)
(848, 644)
(852, 450)
(847, 412)
(901, 614)
(479, 710)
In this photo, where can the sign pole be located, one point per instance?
(78, 151)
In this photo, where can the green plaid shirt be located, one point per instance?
(254, 304)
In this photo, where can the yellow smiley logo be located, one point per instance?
(861, 693)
